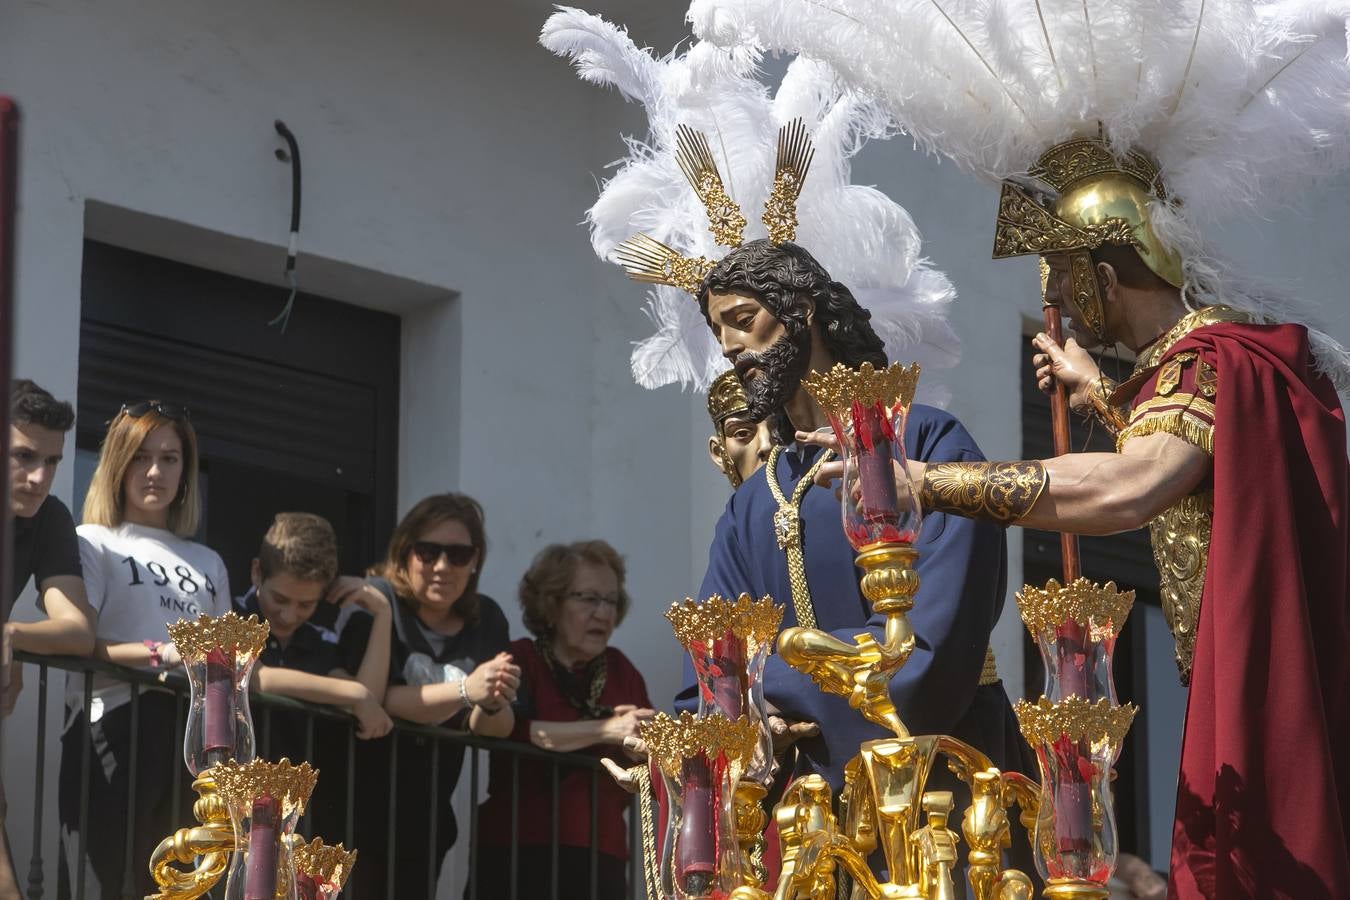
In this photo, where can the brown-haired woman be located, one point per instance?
(142, 571)
(577, 694)
(448, 664)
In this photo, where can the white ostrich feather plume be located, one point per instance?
(1239, 103)
(863, 238)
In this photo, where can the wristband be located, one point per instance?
(464, 693)
(156, 661)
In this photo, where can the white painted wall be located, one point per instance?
(448, 160)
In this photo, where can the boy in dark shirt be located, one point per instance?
(295, 570)
(45, 550)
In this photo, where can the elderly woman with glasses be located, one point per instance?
(448, 665)
(577, 694)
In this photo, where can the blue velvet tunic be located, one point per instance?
(962, 569)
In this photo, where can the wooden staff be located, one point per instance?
(1059, 422)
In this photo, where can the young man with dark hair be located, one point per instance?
(45, 547)
(45, 550)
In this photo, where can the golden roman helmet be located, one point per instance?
(726, 396)
(1077, 197)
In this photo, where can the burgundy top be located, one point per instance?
(540, 699)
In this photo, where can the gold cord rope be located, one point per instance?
(650, 864)
(788, 524)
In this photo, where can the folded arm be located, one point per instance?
(69, 626)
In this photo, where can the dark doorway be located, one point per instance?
(303, 420)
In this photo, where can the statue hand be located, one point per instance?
(1070, 365)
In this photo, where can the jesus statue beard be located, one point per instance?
(780, 371)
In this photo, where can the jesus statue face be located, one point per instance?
(769, 360)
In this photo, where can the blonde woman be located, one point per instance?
(142, 571)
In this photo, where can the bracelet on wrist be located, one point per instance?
(464, 693)
(156, 660)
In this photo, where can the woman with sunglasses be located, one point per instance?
(142, 572)
(577, 694)
(449, 665)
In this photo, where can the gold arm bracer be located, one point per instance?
(1000, 492)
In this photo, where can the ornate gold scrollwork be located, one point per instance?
(205, 847)
(1180, 538)
(861, 671)
(995, 492)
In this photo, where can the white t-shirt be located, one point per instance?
(139, 580)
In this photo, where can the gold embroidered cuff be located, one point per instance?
(1099, 406)
(997, 492)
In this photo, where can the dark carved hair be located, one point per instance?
(32, 405)
(782, 277)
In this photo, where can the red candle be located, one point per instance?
(219, 703)
(697, 858)
(1073, 797)
(260, 882)
(728, 675)
(875, 436)
(1071, 660)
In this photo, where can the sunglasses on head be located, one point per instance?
(429, 553)
(168, 410)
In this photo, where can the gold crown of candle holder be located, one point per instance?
(884, 807)
(728, 642)
(700, 759)
(246, 808)
(1076, 728)
(321, 870)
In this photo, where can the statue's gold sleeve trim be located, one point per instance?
(998, 492)
(1186, 416)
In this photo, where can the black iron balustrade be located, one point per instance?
(265, 706)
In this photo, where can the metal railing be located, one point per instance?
(264, 706)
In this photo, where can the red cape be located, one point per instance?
(1263, 798)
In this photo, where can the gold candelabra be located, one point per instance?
(884, 811)
(246, 809)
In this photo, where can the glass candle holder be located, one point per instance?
(867, 409)
(321, 870)
(218, 654)
(728, 642)
(265, 801)
(1075, 627)
(700, 761)
(1076, 744)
